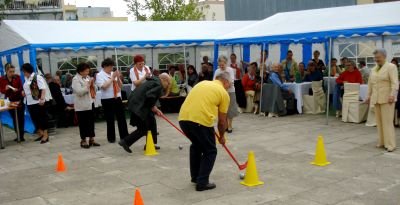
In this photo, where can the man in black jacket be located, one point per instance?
(142, 105)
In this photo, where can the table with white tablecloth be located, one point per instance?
(299, 89)
(69, 99)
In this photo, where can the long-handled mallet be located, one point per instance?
(240, 166)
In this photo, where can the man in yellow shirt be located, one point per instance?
(205, 102)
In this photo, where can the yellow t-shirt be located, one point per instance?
(204, 102)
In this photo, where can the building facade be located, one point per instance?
(34, 10)
(73, 13)
(213, 10)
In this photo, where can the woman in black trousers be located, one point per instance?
(35, 93)
(85, 94)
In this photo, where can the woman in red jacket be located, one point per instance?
(351, 75)
(251, 85)
(11, 87)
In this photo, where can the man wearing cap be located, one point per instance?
(207, 101)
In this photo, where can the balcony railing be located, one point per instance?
(34, 4)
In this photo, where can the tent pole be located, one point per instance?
(116, 58)
(329, 84)
(48, 55)
(184, 57)
(195, 58)
(152, 57)
(262, 75)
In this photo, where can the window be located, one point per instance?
(69, 64)
(165, 59)
(358, 52)
(396, 51)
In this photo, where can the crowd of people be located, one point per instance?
(214, 95)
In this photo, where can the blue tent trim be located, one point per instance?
(316, 37)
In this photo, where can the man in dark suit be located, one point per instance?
(142, 105)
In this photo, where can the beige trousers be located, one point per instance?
(384, 114)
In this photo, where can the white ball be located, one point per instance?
(180, 147)
(241, 175)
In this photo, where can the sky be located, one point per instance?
(118, 7)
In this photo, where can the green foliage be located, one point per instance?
(165, 10)
(3, 6)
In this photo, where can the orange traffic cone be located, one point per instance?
(60, 164)
(138, 198)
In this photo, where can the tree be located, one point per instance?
(3, 6)
(165, 10)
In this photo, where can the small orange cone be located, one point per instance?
(60, 164)
(138, 198)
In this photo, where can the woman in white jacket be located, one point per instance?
(84, 91)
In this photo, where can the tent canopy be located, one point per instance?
(319, 24)
(78, 34)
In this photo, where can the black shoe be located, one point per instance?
(84, 145)
(21, 140)
(92, 143)
(229, 131)
(111, 141)
(156, 146)
(205, 187)
(194, 181)
(125, 146)
(38, 139)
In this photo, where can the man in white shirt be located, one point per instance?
(110, 85)
(139, 72)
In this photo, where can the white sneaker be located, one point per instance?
(338, 114)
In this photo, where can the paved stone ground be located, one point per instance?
(359, 173)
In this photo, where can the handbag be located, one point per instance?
(34, 87)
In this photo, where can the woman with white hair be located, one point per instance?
(383, 86)
(233, 107)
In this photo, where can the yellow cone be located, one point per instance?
(320, 154)
(150, 147)
(251, 177)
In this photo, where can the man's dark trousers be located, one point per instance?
(203, 151)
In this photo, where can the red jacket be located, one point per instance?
(16, 83)
(247, 83)
(350, 77)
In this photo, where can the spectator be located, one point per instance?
(301, 74)
(59, 109)
(343, 63)
(205, 74)
(110, 85)
(85, 95)
(289, 67)
(252, 85)
(383, 87)
(396, 63)
(156, 72)
(139, 72)
(365, 71)
(275, 78)
(192, 76)
(335, 69)
(35, 89)
(233, 108)
(181, 74)
(11, 87)
(351, 75)
(265, 63)
(173, 88)
(320, 65)
(68, 81)
(236, 67)
(313, 73)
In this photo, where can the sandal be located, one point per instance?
(93, 143)
(84, 144)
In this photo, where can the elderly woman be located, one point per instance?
(110, 84)
(85, 94)
(35, 92)
(233, 108)
(383, 85)
(139, 72)
(313, 73)
(11, 87)
(351, 75)
(193, 77)
(251, 85)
